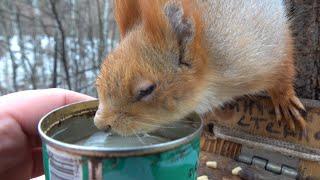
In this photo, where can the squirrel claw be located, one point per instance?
(278, 113)
(299, 119)
(288, 110)
(287, 116)
(295, 101)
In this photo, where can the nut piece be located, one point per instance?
(212, 164)
(236, 170)
(204, 177)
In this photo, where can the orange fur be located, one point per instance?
(126, 14)
(191, 10)
(287, 105)
(149, 53)
(153, 19)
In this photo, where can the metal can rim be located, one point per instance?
(114, 152)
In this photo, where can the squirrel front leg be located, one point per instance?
(285, 101)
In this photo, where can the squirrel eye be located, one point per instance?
(145, 92)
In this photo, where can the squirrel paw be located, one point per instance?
(287, 109)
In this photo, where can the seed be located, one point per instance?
(236, 170)
(212, 164)
(204, 177)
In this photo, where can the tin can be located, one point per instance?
(176, 159)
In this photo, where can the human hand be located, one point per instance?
(20, 145)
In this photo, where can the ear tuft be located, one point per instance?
(182, 25)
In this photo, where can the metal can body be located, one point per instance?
(161, 163)
(180, 163)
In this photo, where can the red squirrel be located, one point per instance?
(180, 56)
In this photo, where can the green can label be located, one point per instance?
(180, 163)
(62, 165)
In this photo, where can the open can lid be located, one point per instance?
(84, 113)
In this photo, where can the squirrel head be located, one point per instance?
(155, 75)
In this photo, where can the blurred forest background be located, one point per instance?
(54, 43)
(61, 43)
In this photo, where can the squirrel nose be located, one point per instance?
(107, 128)
(100, 123)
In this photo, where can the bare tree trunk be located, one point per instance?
(63, 43)
(306, 31)
(37, 61)
(14, 67)
(55, 63)
(101, 33)
(91, 35)
(14, 64)
(109, 28)
(30, 71)
(6, 75)
(45, 30)
(34, 73)
(112, 28)
(41, 31)
(113, 34)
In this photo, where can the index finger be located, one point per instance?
(28, 107)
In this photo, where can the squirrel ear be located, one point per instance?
(181, 24)
(153, 19)
(126, 15)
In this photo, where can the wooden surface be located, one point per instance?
(310, 169)
(225, 166)
(219, 146)
(256, 116)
